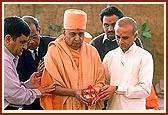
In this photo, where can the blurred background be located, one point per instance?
(150, 18)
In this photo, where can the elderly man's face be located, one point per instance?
(125, 37)
(34, 39)
(74, 37)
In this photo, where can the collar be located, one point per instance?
(11, 56)
(129, 50)
(106, 38)
(32, 51)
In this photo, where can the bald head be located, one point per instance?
(30, 20)
(126, 32)
(127, 21)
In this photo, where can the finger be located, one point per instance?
(34, 75)
(84, 100)
(47, 94)
(40, 68)
(104, 88)
(41, 64)
(104, 96)
(48, 90)
(103, 93)
(52, 86)
(95, 100)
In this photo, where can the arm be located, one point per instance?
(144, 73)
(141, 75)
(14, 92)
(108, 90)
(69, 92)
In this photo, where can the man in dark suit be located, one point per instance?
(30, 59)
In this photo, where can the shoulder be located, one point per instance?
(89, 46)
(90, 49)
(52, 47)
(26, 53)
(52, 44)
(143, 52)
(111, 54)
(47, 38)
(98, 39)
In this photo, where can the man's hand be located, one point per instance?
(40, 67)
(80, 98)
(47, 89)
(35, 80)
(107, 92)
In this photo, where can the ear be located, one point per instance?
(40, 30)
(63, 31)
(135, 36)
(7, 39)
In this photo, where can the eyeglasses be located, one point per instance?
(34, 37)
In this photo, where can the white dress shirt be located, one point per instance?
(33, 53)
(132, 72)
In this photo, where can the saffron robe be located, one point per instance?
(152, 100)
(60, 69)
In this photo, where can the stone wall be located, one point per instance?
(50, 16)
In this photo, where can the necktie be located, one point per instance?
(36, 57)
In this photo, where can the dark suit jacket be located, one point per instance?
(104, 48)
(26, 66)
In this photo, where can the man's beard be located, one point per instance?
(111, 35)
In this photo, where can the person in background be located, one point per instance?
(72, 65)
(16, 93)
(106, 41)
(87, 37)
(129, 70)
(152, 101)
(33, 55)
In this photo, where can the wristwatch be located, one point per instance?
(116, 87)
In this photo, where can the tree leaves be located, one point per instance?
(144, 32)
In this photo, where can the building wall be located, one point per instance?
(51, 21)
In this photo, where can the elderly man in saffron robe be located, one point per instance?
(72, 64)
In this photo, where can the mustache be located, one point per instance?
(111, 31)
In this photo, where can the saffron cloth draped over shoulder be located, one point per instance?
(61, 69)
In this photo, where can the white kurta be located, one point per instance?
(132, 72)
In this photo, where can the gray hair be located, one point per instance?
(127, 21)
(31, 19)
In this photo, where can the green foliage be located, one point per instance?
(144, 32)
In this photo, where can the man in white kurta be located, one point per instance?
(129, 70)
